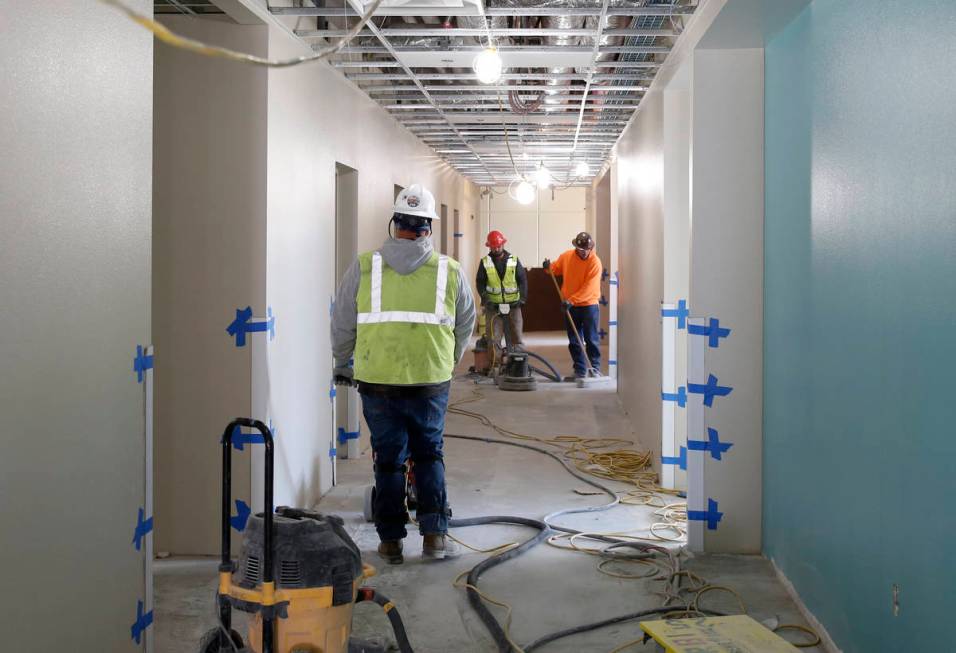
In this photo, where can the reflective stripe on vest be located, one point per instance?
(494, 285)
(378, 316)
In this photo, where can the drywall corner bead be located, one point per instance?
(143, 528)
(709, 389)
(681, 313)
(713, 331)
(143, 621)
(243, 324)
(679, 397)
(711, 515)
(142, 363)
(711, 444)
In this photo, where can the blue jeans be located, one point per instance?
(403, 428)
(587, 320)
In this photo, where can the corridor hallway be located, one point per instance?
(549, 589)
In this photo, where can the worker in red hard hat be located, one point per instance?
(503, 286)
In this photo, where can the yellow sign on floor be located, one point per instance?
(734, 634)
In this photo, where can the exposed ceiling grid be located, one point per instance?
(574, 73)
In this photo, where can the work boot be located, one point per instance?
(437, 546)
(391, 551)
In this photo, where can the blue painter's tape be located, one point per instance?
(332, 391)
(603, 301)
(239, 520)
(614, 282)
(713, 331)
(711, 515)
(711, 444)
(239, 438)
(612, 362)
(332, 452)
(679, 397)
(709, 390)
(458, 235)
(602, 334)
(143, 621)
(612, 323)
(345, 436)
(143, 528)
(680, 461)
(141, 363)
(681, 313)
(605, 274)
(243, 324)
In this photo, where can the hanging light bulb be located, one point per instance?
(582, 169)
(524, 192)
(488, 65)
(542, 176)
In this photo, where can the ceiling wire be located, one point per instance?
(169, 37)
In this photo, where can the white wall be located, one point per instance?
(74, 263)
(315, 119)
(209, 230)
(542, 229)
(726, 277)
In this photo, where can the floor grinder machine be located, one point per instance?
(299, 574)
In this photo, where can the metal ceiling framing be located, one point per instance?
(575, 72)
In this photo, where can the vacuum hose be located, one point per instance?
(398, 627)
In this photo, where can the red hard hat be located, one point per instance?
(496, 239)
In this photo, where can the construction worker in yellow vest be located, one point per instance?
(501, 279)
(403, 316)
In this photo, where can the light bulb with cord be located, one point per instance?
(542, 176)
(582, 169)
(522, 191)
(488, 65)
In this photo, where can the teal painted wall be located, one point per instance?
(860, 318)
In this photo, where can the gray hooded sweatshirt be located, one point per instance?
(403, 256)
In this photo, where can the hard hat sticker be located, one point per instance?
(412, 201)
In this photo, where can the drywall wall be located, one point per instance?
(315, 120)
(859, 311)
(209, 198)
(74, 260)
(640, 212)
(542, 229)
(726, 278)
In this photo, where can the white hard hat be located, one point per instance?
(416, 200)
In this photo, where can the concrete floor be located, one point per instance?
(549, 589)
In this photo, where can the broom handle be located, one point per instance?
(567, 312)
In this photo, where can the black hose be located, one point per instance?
(547, 639)
(555, 374)
(394, 618)
(491, 623)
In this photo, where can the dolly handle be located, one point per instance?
(226, 562)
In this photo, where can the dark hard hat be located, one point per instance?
(583, 241)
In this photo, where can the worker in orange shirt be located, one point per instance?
(581, 270)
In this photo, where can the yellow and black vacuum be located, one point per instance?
(299, 574)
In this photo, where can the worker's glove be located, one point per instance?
(343, 376)
(566, 305)
(546, 264)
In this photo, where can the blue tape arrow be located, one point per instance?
(143, 527)
(345, 436)
(681, 313)
(680, 460)
(141, 363)
(709, 390)
(711, 515)
(143, 621)
(239, 438)
(243, 324)
(238, 521)
(603, 334)
(711, 444)
(713, 331)
(680, 396)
